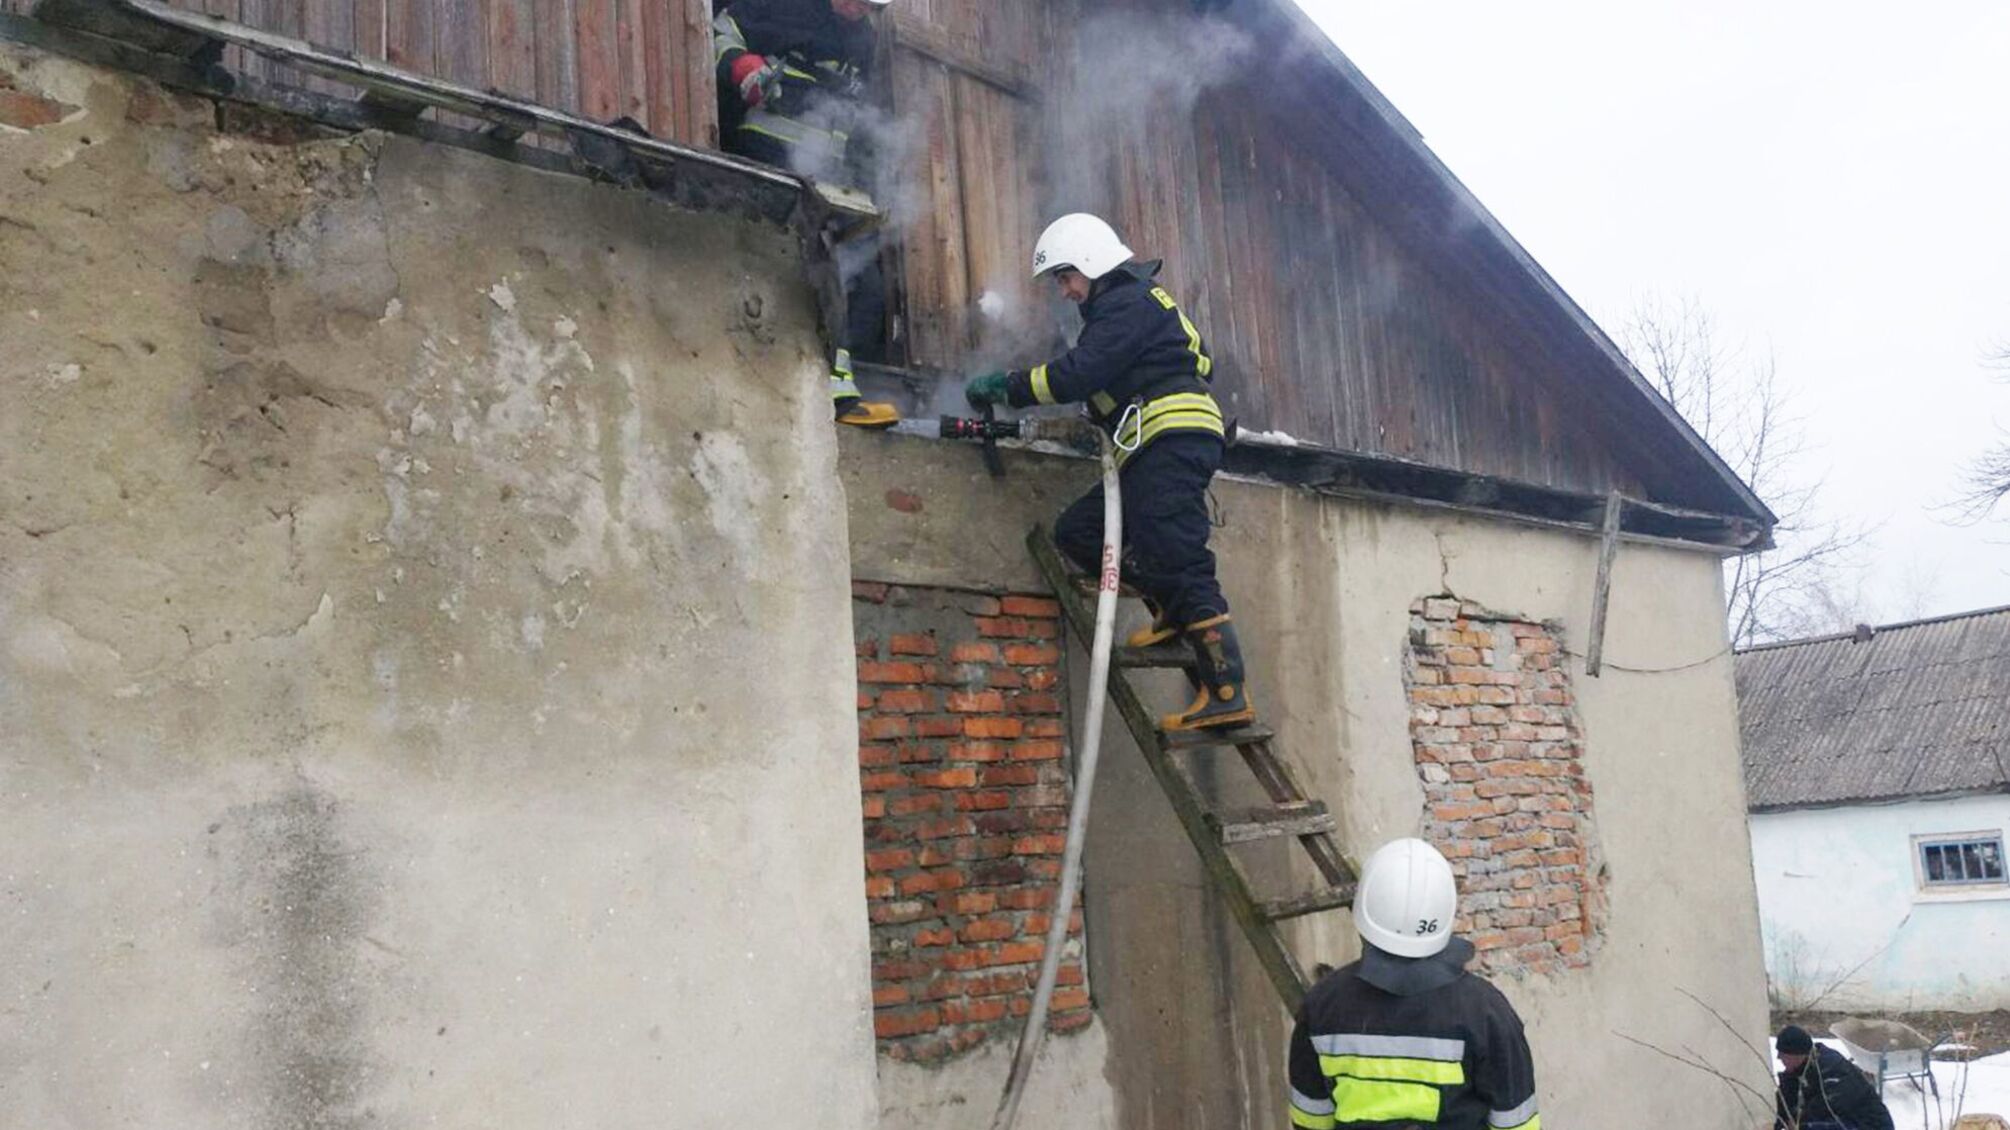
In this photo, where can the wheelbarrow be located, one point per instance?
(1887, 1049)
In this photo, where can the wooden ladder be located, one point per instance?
(1289, 813)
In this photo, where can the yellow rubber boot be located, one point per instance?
(862, 413)
(1222, 701)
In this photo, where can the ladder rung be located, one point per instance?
(1297, 906)
(1203, 739)
(1162, 655)
(1307, 818)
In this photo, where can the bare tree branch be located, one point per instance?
(1811, 582)
(1985, 482)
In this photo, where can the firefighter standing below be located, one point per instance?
(1822, 1090)
(1144, 372)
(1405, 1036)
(792, 87)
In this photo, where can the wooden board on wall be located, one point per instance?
(646, 59)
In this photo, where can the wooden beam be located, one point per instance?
(923, 38)
(1601, 589)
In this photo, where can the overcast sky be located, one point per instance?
(1831, 181)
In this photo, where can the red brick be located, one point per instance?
(995, 929)
(1029, 606)
(1045, 728)
(1069, 1021)
(1036, 898)
(910, 753)
(892, 673)
(1043, 679)
(879, 782)
(878, 887)
(1034, 702)
(938, 727)
(885, 995)
(1044, 844)
(1014, 953)
(915, 643)
(1032, 654)
(973, 902)
(976, 751)
(900, 970)
(866, 649)
(893, 859)
(864, 701)
(1043, 629)
(974, 653)
(983, 801)
(934, 938)
(988, 727)
(873, 807)
(942, 829)
(909, 701)
(963, 961)
(880, 729)
(1045, 750)
(998, 873)
(1004, 678)
(1002, 627)
(905, 1022)
(976, 702)
(913, 805)
(960, 778)
(992, 775)
(871, 591)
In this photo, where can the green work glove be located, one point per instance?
(987, 389)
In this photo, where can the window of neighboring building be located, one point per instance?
(1960, 861)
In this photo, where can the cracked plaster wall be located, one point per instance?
(1188, 1031)
(425, 679)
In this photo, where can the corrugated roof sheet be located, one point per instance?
(1920, 709)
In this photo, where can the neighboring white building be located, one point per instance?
(1877, 766)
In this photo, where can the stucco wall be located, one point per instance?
(425, 689)
(1189, 1032)
(1845, 919)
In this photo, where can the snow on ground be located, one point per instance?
(1978, 1087)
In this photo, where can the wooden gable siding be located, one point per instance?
(1325, 323)
(969, 130)
(650, 60)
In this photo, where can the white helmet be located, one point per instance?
(1407, 900)
(1081, 241)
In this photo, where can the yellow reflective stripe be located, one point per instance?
(1202, 363)
(1041, 391)
(727, 37)
(779, 127)
(1311, 1121)
(794, 73)
(1372, 1100)
(1435, 1071)
(1534, 1123)
(1103, 403)
(1181, 402)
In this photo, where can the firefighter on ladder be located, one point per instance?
(1144, 373)
(1405, 1036)
(792, 87)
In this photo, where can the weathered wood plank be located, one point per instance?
(557, 53)
(512, 47)
(697, 86)
(631, 59)
(599, 60)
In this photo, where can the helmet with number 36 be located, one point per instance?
(1407, 900)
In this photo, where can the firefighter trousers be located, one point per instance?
(1166, 525)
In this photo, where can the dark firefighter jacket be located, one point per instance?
(1136, 347)
(1829, 1088)
(1395, 1043)
(825, 62)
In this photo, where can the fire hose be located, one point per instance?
(988, 431)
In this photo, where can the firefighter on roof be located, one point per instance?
(792, 93)
(1144, 373)
(1405, 1037)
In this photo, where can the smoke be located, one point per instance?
(1129, 86)
(1134, 82)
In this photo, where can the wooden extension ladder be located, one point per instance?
(1290, 812)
